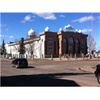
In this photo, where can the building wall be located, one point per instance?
(42, 43)
(34, 45)
(58, 45)
(51, 43)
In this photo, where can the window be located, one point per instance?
(50, 39)
(70, 40)
(64, 40)
(64, 48)
(42, 40)
(82, 48)
(82, 41)
(50, 47)
(76, 48)
(70, 47)
(76, 41)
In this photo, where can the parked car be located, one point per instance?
(19, 62)
(97, 73)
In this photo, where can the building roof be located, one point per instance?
(30, 40)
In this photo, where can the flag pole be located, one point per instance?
(92, 31)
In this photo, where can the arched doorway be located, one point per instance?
(77, 46)
(70, 50)
(76, 50)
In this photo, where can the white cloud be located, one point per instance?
(61, 15)
(2, 25)
(6, 36)
(83, 19)
(27, 18)
(86, 30)
(49, 16)
(11, 36)
(3, 35)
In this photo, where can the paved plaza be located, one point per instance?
(49, 73)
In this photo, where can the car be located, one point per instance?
(97, 72)
(19, 62)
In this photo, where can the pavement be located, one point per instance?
(87, 68)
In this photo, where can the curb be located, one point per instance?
(86, 70)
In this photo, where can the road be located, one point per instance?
(49, 73)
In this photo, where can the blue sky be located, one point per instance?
(16, 25)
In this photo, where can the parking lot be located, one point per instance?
(48, 73)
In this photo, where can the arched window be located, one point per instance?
(70, 40)
(76, 48)
(64, 40)
(70, 47)
(82, 41)
(76, 41)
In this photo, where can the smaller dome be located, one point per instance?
(80, 31)
(47, 29)
(31, 32)
(76, 30)
(60, 29)
(68, 27)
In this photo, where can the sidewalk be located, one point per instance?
(72, 59)
(87, 68)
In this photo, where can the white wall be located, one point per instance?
(42, 44)
(38, 49)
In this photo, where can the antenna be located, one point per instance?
(92, 31)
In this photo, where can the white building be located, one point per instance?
(51, 43)
(33, 45)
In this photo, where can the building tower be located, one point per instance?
(31, 34)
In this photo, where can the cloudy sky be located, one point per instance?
(13, 26)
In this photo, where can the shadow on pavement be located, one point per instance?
(38, 80)
(26, 67)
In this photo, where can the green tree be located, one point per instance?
(3, 49)
(22, 47)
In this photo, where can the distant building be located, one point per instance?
(61, 42)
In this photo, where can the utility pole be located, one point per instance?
(92, 32)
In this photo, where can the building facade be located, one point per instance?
(55, 43)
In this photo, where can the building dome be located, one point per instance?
(80, 31)
(68, 27)
(47, 29)
(31, 32)
(76, 30)
(60, 29)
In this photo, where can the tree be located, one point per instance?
(0, 49)
(30, 48)
(89, 43)
(3, 49)
(22, 47)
